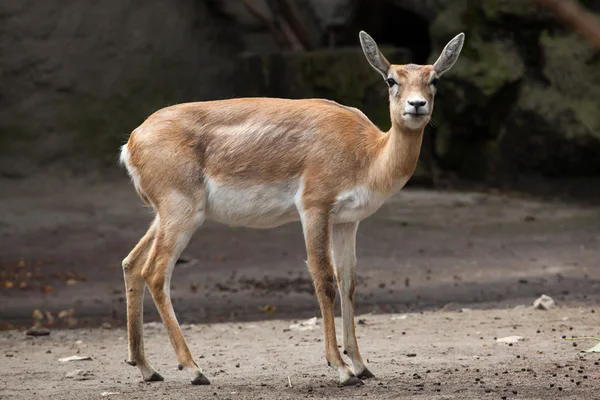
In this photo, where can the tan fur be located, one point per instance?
(253, 143)
(312, 138)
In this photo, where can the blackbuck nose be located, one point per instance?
(417, 103)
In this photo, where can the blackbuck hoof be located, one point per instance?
(365, 374)
(200, 380)
(132, 363)
(352, 381)
(155, 377)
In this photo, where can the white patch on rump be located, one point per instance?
(259, 206)
(132, 170)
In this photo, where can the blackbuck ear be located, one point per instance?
(449, 54)
(374, 56)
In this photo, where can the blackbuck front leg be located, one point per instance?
(317, 231)
(134, 289)
(344, 258)
(178, 221)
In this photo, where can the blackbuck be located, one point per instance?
(263, 162)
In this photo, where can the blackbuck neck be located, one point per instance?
(398, 157)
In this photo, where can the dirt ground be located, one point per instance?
(62, 240)
(431, 355)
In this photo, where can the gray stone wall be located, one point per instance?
(76, 76)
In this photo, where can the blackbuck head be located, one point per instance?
(412, 87)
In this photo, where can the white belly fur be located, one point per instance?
(271, 205)
(263, 206)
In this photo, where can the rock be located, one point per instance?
(75, 358)
(509, 339)
(544, 303)
(308, 325)
(106, 325)
(522, 97)
(80, 375)
(38, 331)
(153, 325)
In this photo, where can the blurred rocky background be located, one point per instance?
(77, 76)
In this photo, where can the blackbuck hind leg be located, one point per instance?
(317, 231)
(134, 289)
(179, 217)
(344, 258)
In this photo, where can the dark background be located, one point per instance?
(518, 112)
(78, 76)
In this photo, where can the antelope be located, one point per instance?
(264, 162)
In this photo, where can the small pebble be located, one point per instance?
(38, 331)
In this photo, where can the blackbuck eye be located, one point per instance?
(435, 81)
(391, 82)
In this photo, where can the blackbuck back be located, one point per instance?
(263, 162)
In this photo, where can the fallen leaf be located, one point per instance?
(268, 308)
(23, 285)
(71, 281)
(37, 314)
(8, 284)
(66, 313)
(72, 322)
(21, 263)
(194, 287)
(46, 288)
(595, 349)
(49, 317)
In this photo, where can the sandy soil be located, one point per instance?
(431, 355)
(430, 252)
(62, 240)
